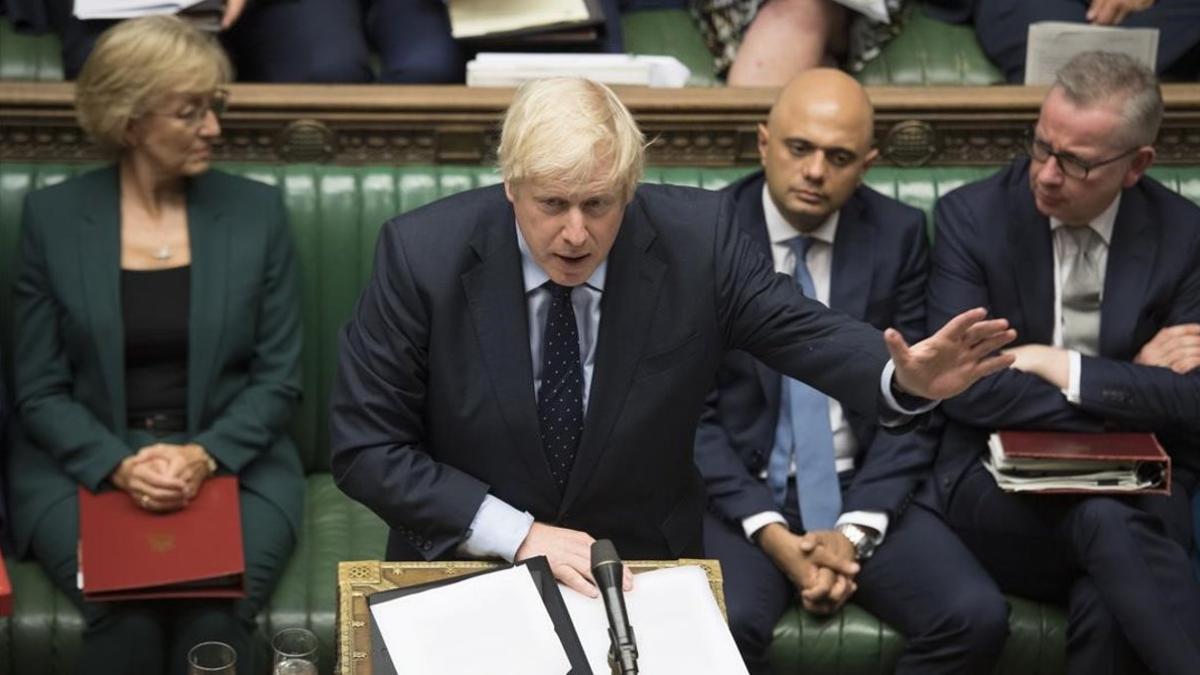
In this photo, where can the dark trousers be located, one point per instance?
(273, 41)
(415, 45)
(147, 638)
(1003, 27)
(1120, 564)
(922, 581)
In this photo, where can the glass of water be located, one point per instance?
(212, 658)
(295, 652)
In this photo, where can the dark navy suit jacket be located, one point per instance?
(433, 405)
(994, 249)
(880, 258)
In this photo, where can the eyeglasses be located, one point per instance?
(1069, 164)
(196, 111)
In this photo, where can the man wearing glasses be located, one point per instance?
(1098, 268)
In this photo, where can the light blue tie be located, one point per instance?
(803, 432)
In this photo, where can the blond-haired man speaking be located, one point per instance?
(527, 365)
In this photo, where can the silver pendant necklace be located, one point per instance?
(163, 252)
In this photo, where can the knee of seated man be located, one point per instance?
(974, 618)
(1099, 516)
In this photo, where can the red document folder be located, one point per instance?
(5, 590)
(126, 552)
(1138, 449)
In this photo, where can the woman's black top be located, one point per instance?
(154, 307)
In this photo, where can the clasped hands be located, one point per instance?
(820, 564)
(164, 476)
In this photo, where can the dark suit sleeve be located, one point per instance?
(377, 421)
(260, 412)
(59, 424)
(893, 464)
(765, 314)
(958, 282)
(732, 490)
(1148, 396)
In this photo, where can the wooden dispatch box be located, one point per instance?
(360, 578)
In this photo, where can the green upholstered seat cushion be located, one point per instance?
(930, 52)
(670, 32)
(28, 57)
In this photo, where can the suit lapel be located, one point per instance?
(210, 239)
(631, 291)
(99, 249)
(1031, 255)
(496, 300)
(1130, 262)
(853, 261)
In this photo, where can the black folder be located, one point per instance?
(539, 569)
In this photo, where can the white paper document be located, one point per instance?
(494, 623)
(1052, 43)
(126, 9)
(676, 622)
(507, 69)
(475, 18)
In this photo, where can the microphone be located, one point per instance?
(608, 571)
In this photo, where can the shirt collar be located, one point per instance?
(1103, 224)
(535, 276)
(781, 231)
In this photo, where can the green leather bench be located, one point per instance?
(336, 213)
(926, 51)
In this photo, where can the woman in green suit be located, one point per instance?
(157, 342)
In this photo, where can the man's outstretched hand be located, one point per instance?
(952, 359)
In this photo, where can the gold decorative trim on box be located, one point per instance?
(358, 579)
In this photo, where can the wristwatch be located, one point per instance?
(862, 541)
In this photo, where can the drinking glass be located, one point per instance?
(212, 658)
(295, 652)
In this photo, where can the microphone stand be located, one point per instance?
(608, 572)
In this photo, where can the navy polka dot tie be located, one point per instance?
(560, 399)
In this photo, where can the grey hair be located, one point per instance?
(1097, 77)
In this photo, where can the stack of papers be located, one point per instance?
(1041, 475)
(498, 69)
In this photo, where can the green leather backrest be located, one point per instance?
(336, 213)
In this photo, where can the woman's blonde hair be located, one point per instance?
(565, 130)
(135, 64)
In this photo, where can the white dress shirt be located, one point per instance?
(1064, 251)
(820, 266)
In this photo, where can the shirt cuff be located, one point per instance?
(1074, 369)
(876, 520)
(496, 531)
(758, 521)
(885, 385)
